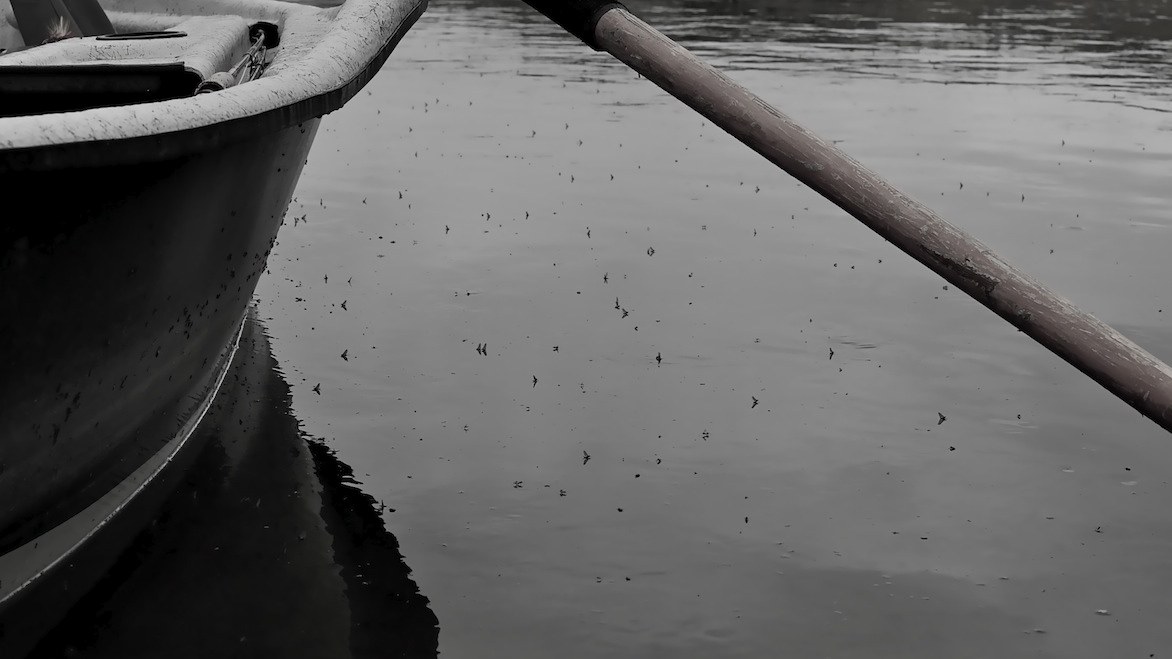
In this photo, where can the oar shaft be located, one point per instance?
(1091, 346)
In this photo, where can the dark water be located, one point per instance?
(784, 437)
(502, 185)
(266, 549)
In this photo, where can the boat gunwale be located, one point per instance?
(317, 95)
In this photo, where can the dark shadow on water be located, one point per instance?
(266, 549)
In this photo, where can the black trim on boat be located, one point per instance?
(152, 34)
(45, 89)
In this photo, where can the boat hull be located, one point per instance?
(51, 572)
(123, 290)
(121, 304)
(118, 299)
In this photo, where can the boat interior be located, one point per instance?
(66, 55)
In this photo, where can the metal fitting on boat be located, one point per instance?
(216, 82)
(250, 67)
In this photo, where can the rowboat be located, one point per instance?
(148, 152)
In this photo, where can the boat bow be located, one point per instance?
(326, 55)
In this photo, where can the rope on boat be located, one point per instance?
(253, 63)
(249, 68)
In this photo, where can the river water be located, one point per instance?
(713, 415)
(626, 390)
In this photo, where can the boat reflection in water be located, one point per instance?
(266, 549)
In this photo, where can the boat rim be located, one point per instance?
(359, 38)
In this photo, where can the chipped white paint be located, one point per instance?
(321, 50)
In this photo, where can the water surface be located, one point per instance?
(628, 391)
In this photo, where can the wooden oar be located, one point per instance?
(1091, 346)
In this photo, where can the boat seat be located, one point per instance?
(40, 21)
(121, 69)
